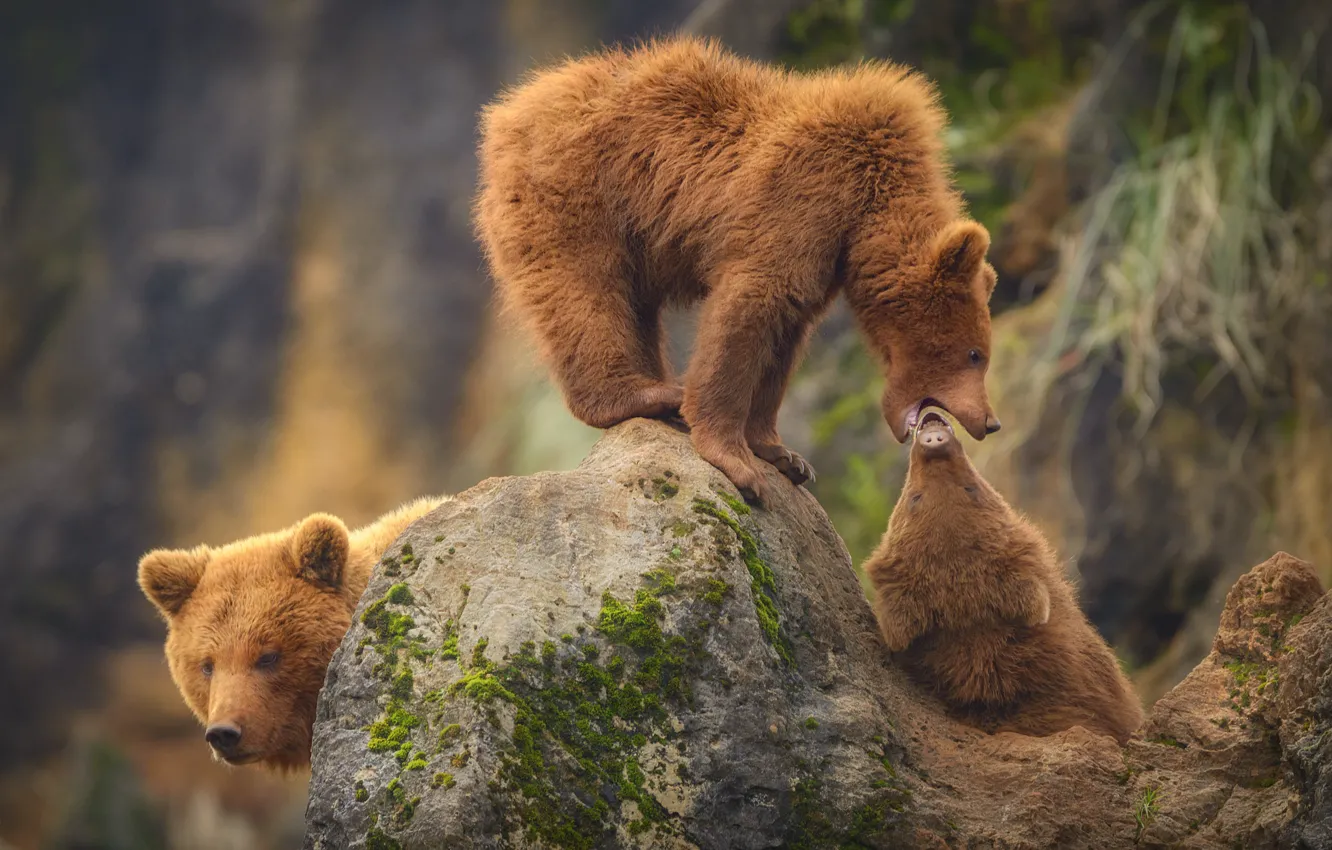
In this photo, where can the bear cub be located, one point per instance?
(252, 626)
(972, 602)
(619, 184)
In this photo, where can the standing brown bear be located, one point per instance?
(618, 184)
(973, 603)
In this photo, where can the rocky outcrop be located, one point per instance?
(628, 655)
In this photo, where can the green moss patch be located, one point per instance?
(390, 637)
(818, 822)
(717, 589)
(762, 583)
(377, 839)
(1251, 681)
(392, 731)
(396, 565)
(443, 780)
(664, 488)
(403, 805)
(390, 631)
(584, 712)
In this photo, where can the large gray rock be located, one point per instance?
(621, 654)
(626, 655)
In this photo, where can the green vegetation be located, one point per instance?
(1194, 249)
(716, 590)
(579, 722)
(403, 806)
(860, 482)
(443, 780)
(1146, 809)
(1251, 681)
(663, 487)
(1170, 741)
(392, 639)
(377, 839)
(389, 631)
(871, 823)
(824, 32)
(762, 584)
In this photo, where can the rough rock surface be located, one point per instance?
(628, 655)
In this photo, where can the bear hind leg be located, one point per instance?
(604, 350)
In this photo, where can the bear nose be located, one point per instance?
(934, 437)
(223, 737)
(992, 424)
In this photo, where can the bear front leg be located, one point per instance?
(901, 617)
(1024, 600)
(761, 430)
(740, 340)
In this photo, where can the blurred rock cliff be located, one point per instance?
(238, 284)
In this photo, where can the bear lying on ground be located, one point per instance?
(251, 626)
(618, 184)
(973, 603)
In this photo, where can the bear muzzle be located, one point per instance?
(225, 740)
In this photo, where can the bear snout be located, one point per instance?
(224, 738)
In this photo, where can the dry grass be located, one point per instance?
(1195, 252)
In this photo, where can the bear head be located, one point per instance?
(945, 503)
(251, 628)
(932, 327)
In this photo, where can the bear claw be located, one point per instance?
(787, 462)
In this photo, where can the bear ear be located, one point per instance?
(168, 576)
(986, 282)
(321, 549)
(959, 251)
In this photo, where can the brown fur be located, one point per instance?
(618, 184)
(973, 603)
(289, 593)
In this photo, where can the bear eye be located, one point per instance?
(207, 668)
(268, 659)
(975, 357)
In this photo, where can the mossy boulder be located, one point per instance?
(628, 655)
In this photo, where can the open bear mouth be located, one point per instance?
(933, 417)
(913, 418)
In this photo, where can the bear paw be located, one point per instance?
(896, 635)
(1039, 612)
(739, 466)
(788, 463)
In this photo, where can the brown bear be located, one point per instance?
(618, 184)
(973, 603)
(251, 627)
